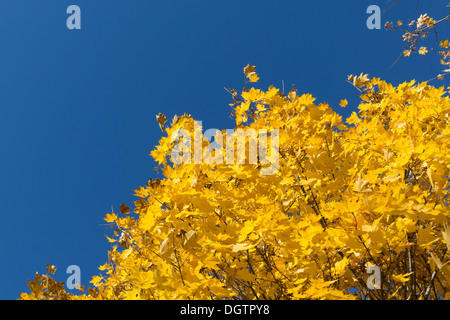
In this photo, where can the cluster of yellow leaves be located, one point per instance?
(250, 73)
(44, 287)
(373, 190)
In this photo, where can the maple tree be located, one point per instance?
(372, 190)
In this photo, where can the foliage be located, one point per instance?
(417, 31)
(372, 190)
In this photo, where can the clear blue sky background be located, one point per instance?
(78, 106)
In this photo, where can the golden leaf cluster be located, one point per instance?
(370, 190)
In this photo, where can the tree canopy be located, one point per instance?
(343, 197)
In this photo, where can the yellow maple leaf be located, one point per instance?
(249, 69)
(51, 268)
(161, 120)
(110, 217)
(253, 77)
(243, 246)
(360, 184)
(109, 239)
(96, 280)
(423, 50)
(245, 275)
(401, 277)
(444, 43)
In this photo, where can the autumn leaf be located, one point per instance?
(401, 277)
(110, 217)
(245, 275)
(423, 50)
(96, 280)
(124, 209)
(444, 43)
(110, 239)
(253, 77)
(161, 119)
(248, 69)
(51, 269)
(241, 246)
(360, 185)
(375, 191)
(343, 103)
(250, 73)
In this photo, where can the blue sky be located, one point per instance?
(78, 106)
